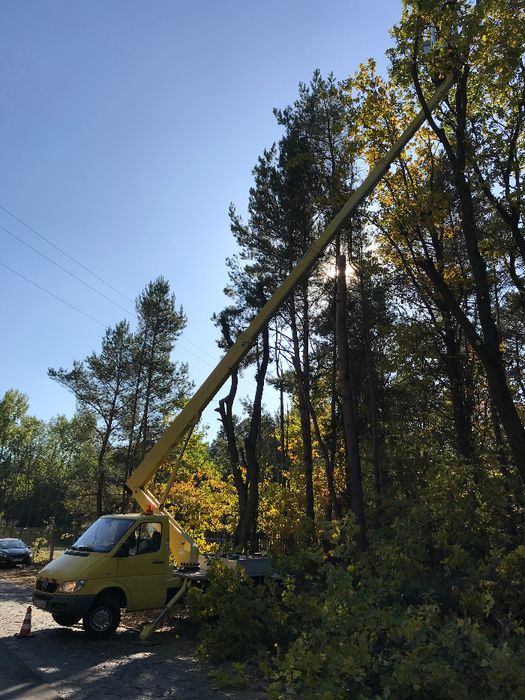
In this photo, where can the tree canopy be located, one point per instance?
(388, 483)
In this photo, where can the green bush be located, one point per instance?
(440, 623)
(238, 618)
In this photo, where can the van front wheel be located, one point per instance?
(65, 620)
(102, 619)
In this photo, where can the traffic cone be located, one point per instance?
(25, 630)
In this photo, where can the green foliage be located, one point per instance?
(40, 464)
(238, 618)
(435, 607)
(510, 589)
(200, 496)
(399, 621)
(38, 544)
(232, 677)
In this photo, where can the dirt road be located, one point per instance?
(60, 662)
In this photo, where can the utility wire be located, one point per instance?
(67, 303)
(86, 284)
(201, 349)
(94, 289)
(242, 380)
(67, 255)
(55, 296)
(185, 347)
(68, 272)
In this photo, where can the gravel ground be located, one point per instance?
(61, 662)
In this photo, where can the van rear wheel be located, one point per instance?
(102, 619)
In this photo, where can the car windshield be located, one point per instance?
(16, 544)
(103, 535)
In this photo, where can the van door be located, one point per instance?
(143, 572)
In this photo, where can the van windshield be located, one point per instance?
(103, 535)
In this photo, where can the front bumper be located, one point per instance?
(12, 560)
(64, 605)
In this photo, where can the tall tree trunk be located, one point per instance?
(128, 464)
(101, 467)
(511, 499)
(247, 487)
(100, 489)
(225, 410)
(486, 347)
(301, 368)
(333, 504)
(248, 526)
(332, 449)
(348, 403)
(371, 382)
(460, 390)
(144, 426)
(283, 455)
(494, 365)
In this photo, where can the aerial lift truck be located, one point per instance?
(122, 561)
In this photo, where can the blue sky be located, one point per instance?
(126, 129)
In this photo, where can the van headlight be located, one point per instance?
(70, 586)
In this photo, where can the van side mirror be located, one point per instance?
(123, 550)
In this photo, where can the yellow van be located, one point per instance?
(121, 561)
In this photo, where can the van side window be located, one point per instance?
(146, 538)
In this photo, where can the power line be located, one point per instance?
(87, 269)
(200, 349)
(72, 306)
(68, 272)
(52, 294)
(242, 380)
(67, 255)
(27, 279)
(86, 284)
(180, 344)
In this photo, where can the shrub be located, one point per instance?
(239, 619)
(440, 624)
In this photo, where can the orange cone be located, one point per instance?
(25, 631)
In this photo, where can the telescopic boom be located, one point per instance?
(182, 545)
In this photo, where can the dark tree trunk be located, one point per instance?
(350, 422)
(333, 505)
(225, 410)
(247, 531)
(100, 490)
(511, 499)
(144, 425)
(301, 368)
(101, 467)
(282, 436)
(460, 390)
(245, 535)
(332, 448)
(488, 353)
(487, 347)
(129, 464)
(282, 442)
(493, 364)
(372, 396)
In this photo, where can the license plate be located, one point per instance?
(42, 604)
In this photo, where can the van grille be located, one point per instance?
(45, 585)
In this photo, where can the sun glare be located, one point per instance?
(328, 269)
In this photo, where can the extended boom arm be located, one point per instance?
(182, 546)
